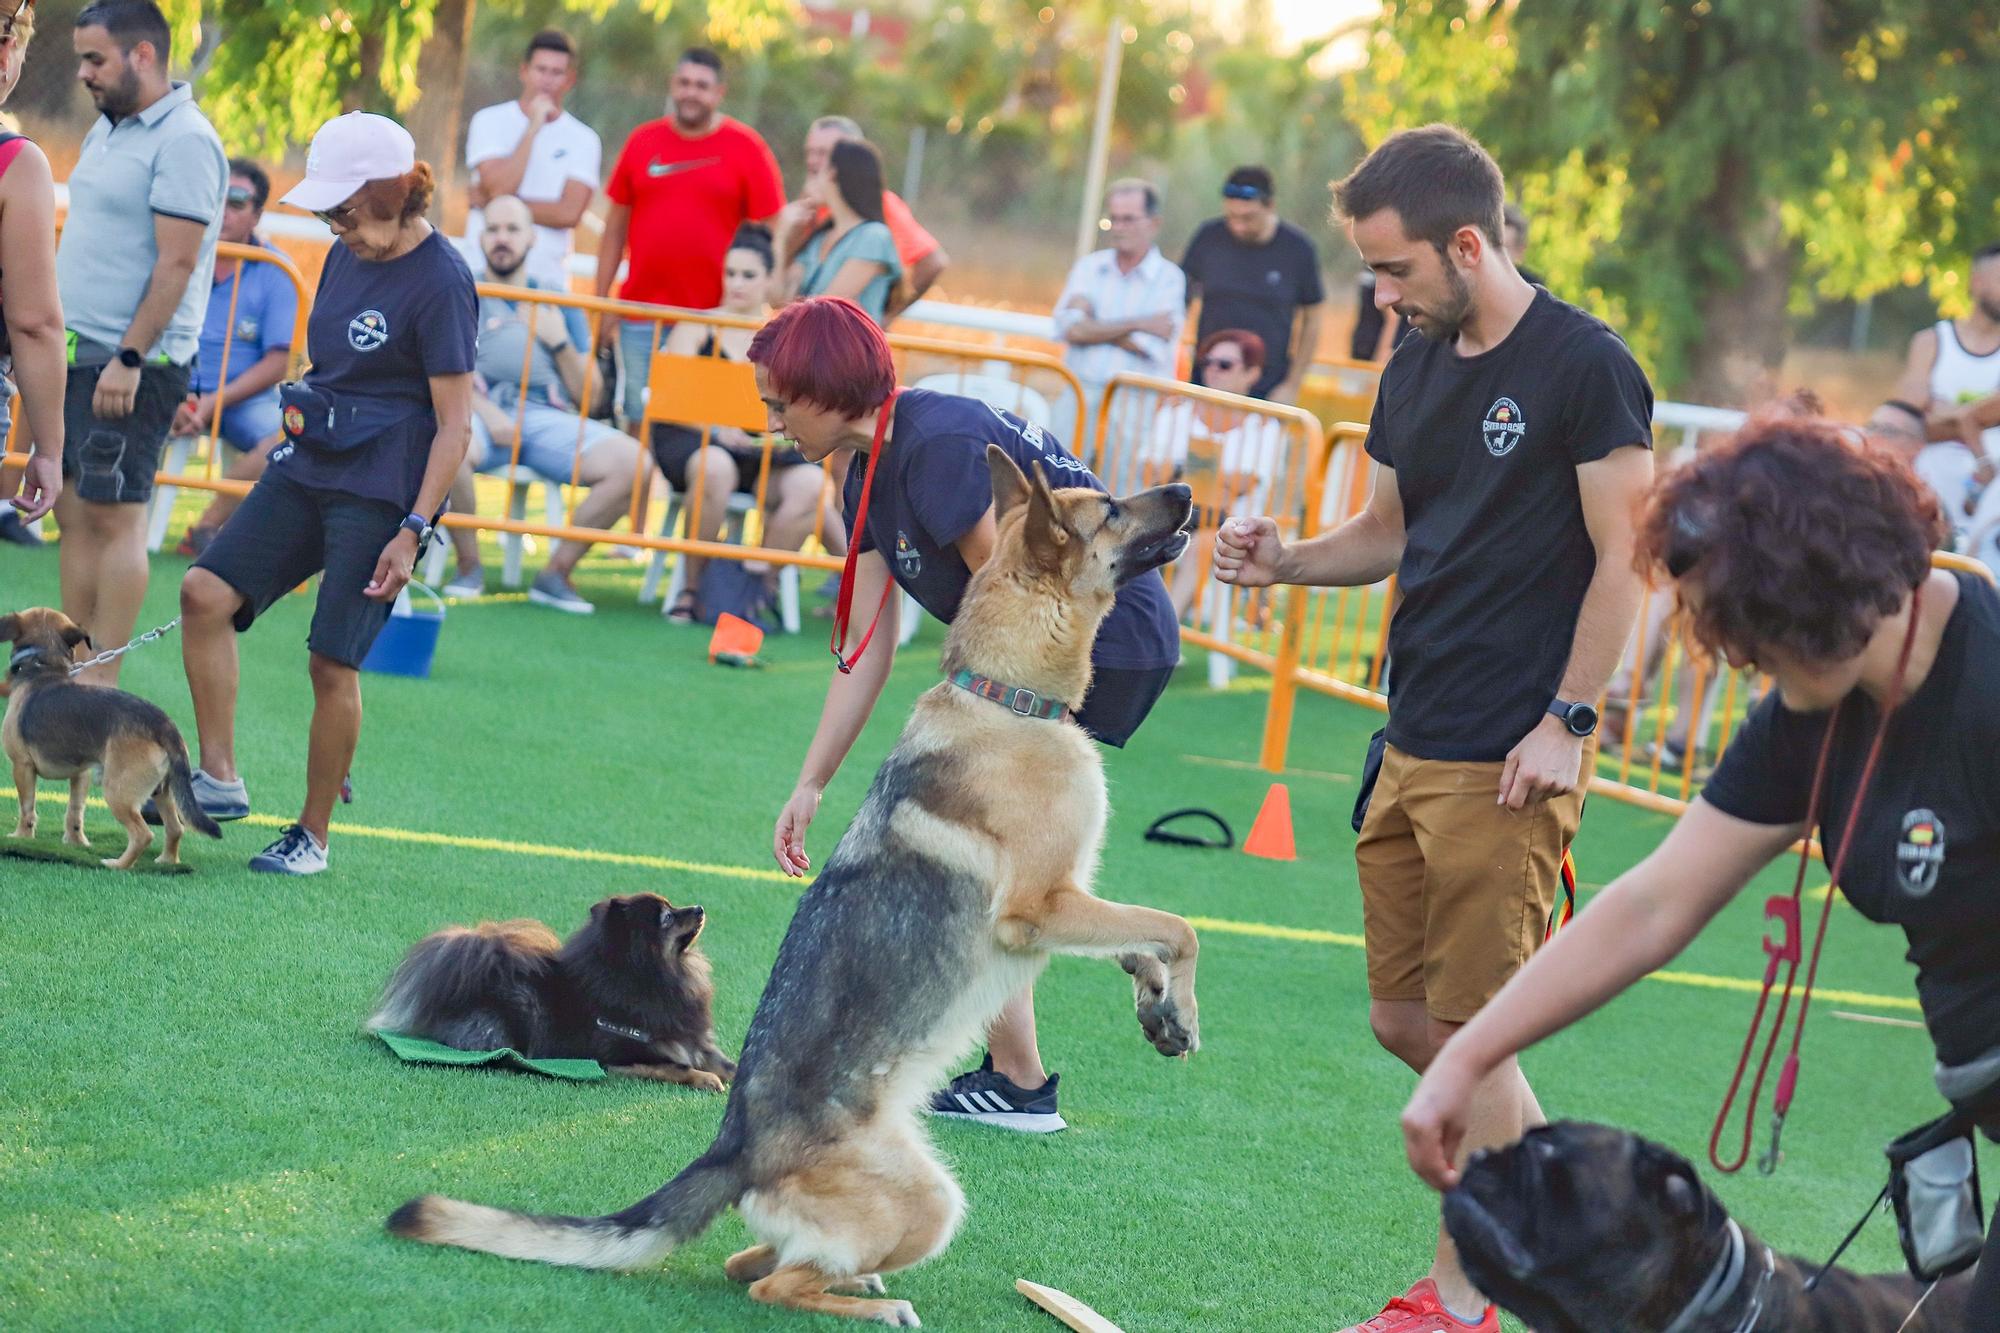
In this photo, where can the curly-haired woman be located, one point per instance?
(1804, 554)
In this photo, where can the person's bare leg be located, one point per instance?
(246, 467)
(103, 575)
(1501, 1111)
(606, 469)
(336, 730)
(208, 653)
(712, 472)
(1011, 1042)
(794, 496)
(464, 541)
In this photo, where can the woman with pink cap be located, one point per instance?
(374, 434)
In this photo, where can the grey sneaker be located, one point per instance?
(552, 589)
(220, 801)
(467, 584)
(296, 852)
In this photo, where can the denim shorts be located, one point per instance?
(114, 462)
(549, 441)
(247, 424)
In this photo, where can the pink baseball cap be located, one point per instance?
(347, 153)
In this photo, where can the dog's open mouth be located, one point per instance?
(1137, 560)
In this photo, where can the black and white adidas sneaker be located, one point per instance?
(984, 1097)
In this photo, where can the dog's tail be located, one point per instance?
(640, 1235)
(180, 784)
(455, 972)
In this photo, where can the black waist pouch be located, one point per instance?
(1371, 772)
(1934, 1188)
(320, 421)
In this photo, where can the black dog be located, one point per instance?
(629, 990)
(1585, 1229)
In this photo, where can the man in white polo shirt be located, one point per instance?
(542, 155)
(133, 269)
(1121, 310)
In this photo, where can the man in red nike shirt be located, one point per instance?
(682, 186)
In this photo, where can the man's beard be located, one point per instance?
(697, 120)
(1990, 309)
(1443, 322)
(122, 98)
(513, 263)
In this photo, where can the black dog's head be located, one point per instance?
(44, 640)
(647, 924)
(1579, 1228)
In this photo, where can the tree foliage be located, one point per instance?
(1700, 167)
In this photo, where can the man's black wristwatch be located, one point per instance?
(420, 527)
(131, 358)
(1581, 719)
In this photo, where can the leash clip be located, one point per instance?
(1768, 1163)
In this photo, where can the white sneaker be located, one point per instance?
(296, 852)
(467, 585)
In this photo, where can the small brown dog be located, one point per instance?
(55, 728)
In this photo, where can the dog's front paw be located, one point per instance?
(867, 1284)
(1171, 1029)
(896, 1314)
(75, 838)
(707, 1082)
(23, 830)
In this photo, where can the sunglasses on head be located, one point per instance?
(1243, 192)
(238, 197)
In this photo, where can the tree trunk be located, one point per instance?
(435, 121)
(367, 85)
(1745, 330)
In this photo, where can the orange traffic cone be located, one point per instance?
(734, 637)
(1271, 835)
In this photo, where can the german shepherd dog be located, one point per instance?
(629, 990)
(968, 865)
(1579, 1228)
(55, 728)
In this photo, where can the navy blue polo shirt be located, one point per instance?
(932, 486)
(377, 334)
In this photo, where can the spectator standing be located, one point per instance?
(1123, 307)
(31, 337)
(133, 268)
(1254, 270)
(924, 260)
(1514, 240)
(1953, 372)
(373, 437)
(542, 411)
(537, 152)
(852, 254)
(246, 346)
(1512, 448)
(681, 188)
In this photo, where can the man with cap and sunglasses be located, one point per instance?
(1253, 270)
(373, 436)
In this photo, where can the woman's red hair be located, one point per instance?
(826, 351)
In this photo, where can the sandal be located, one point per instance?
(686, 609)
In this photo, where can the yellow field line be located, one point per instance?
(1217, 925)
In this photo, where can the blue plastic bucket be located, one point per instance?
(409, 639)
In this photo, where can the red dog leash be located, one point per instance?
(1784, 910)
(845, 603)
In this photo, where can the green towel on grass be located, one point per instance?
(88, 858)
(418, 1051)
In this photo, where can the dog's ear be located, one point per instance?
(10, 627)
(1047, 537)
(1682, 1193)
(1010, 487)
(73, 635)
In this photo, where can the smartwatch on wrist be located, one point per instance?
(1580, 718)
(130, 358)
(419, 527)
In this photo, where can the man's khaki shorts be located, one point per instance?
(1456, 888)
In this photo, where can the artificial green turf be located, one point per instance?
(194, 1133)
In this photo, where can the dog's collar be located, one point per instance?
(1723, 1282)
(21, 657)
(631, 1034)
(1017, 699)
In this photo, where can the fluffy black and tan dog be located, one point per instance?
(629, 990)
(968, 865)
(1587, 1229)
(56, 728)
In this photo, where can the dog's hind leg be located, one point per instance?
(804, 1287)
(170, 824)
(24, 788)
(79, 795)
(751, 1265)
(123, 791)
(1157, 948)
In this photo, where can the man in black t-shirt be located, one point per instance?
(1253, 270)
(1511, 444)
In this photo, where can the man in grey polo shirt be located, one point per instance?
(133, 271)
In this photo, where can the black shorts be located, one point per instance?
(675, 446)
(286, 532)
(113, 462)
(1119, 701)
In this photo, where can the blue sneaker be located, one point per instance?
(984, 1097)
(220, 801)
(296, 852)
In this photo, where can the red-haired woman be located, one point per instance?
(373, 437)
(1807, 555)
(826, 377)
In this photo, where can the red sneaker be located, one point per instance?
(1419, 1310)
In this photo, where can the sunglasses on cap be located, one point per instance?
(1244, 192)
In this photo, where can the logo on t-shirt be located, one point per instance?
(248, 329)
(1920, 854)
(658, 169)
(908, 561)
(367, 330)
(1503, 427)
(1274, 277)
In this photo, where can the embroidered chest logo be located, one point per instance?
(1503, 427)
(908, 561)
(367, 330)
(248, 329)
(1920, 853)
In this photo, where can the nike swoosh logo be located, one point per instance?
(657, 169)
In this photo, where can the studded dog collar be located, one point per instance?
(1016, 699)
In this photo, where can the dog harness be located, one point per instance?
(1016, 699)
(1721, 1286)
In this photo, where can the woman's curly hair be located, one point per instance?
(398, 198)
(1795, 535)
